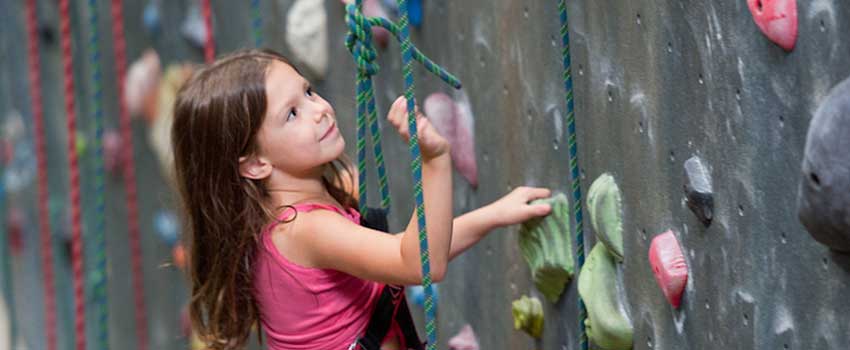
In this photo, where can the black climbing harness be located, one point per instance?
(391, 309)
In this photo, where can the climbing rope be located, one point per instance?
(359, 43)
(209, 42)
(256, 23)
(573, 158)
(98, 239)
(129, 172)
(41, 159)
(74, 173)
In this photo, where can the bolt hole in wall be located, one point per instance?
(638, 18)
(738, 94)
(746, 319)
(740, 210)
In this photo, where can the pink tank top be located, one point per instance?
(309, 308)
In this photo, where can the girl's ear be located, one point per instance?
(254, 167)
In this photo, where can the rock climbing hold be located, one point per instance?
(113, 158)
(178, 256)
(141, 85)
(606, 325)
(824, 200)
(546, 246)
(307, 35)
(193, 28)
(454, 120)
(669, 266)
(417, 294)
(373, 8)
(151, 18)
(464, 340)
(777, 19)
(15, 223)
(528, 315)
(414, 12)
(606, 213)
(167, 227)
(700, 196)
(159, 131)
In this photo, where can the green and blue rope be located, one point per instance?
(98, 237)
(573, 159)
(256, 23)
(359, 43)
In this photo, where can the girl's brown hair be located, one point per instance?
(217, 115)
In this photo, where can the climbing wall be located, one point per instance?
(656, 83)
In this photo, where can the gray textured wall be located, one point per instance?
(655, 81)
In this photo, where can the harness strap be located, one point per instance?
(391, 308)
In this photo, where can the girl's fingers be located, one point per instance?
(533, 193)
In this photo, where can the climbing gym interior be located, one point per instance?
(698, 154)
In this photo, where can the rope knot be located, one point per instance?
(359, 40)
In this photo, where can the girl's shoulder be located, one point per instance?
(295, 225)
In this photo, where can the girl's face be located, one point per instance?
(299, 134)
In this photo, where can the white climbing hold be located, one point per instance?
(141, 84)
(193, 28)
(307, 35)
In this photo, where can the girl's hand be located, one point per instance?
(431, 143)
(513, 208)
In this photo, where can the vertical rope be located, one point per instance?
(98, 239)
(256, 23)
(209, 43)
(573, 158)
(41, 156)
(366, 112)
(76, 225)
(416, 167)
(359, 43)
(129, 172)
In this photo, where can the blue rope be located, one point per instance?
(256, 23)
(573, 159)
(98, 237)
(359, 43)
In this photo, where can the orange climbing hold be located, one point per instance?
(777, 19)
(669, 266)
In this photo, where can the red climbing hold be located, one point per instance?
(777, 19)
(669, 266)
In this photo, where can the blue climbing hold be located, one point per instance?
(167, 227)
(417, 294)
(151, 18)
(414, 12)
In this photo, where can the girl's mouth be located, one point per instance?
(329, 132)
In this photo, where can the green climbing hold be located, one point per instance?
(528, 315)
(547, 248)
(606, 326)
(606, 213)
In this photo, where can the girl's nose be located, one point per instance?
(323, 109)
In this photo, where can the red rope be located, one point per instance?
(129, 172)
(41, 156)
(76, 225)
(209, 45)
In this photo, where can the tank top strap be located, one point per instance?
(351, 214)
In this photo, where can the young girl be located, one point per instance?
(274, 236)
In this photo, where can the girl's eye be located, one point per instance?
(309, 92)
(292, 114)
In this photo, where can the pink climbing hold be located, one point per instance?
(777, 19)
(373, 8)
(140, 87)
(113, 159)
(669, 266)
(15, 228)
(455, 122)
(464, 340)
